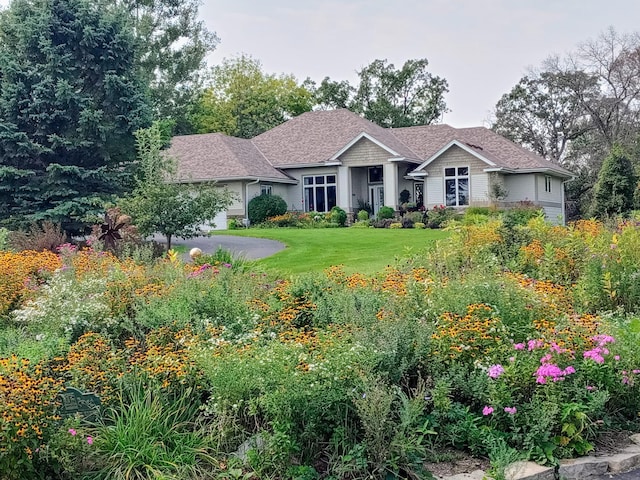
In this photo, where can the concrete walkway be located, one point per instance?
(244, 247)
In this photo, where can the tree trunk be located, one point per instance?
(168, 242)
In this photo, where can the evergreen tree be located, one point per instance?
(70, 100)
(614, 190)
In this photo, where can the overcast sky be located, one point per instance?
(482, 47)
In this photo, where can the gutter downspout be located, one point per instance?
(246, 198)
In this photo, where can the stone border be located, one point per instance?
(582, 468)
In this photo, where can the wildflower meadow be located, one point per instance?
(505, 340)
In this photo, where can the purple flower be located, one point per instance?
(519, 346)
(226, 265)
(72, 432)
(495, 371)
(533, 344)
(569, 370)
(602, 339)
(595, 355)
(510, 410)
(617, 358)
(90, 440)
(551, 371)
(487, 410)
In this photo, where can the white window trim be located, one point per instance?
(266, 189)
(313, 188)
(456, 177)
(369, 182)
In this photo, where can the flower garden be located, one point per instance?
(504, 340)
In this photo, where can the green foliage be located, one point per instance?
(160, 203)
(172, 43)
(363, 216)
(385, 212)
(243, 101)
(338, 216)
(72, 67)
(439, 215)
(616, 185)
(148, 436)
(264, 206)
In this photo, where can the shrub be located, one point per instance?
(407, 222)
(521, 214)
(40, 236)
(338, 216)
(415, 217)
(363, 216)
(264, 206)
(439, 215)
(395, 225)
(385, 212)
(383, 223)
(419, 225)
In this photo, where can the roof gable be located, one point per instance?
(451, 144)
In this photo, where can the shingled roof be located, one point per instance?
(314, 138)
(214, 156)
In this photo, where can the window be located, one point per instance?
(375, 174)
(547, 183)
(265, 190)
(456, 186)
(319, 193)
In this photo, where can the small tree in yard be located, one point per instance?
(160, 203)
(616, 184)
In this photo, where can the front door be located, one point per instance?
(376, 195)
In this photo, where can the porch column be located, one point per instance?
(390, 181)
(344, 188)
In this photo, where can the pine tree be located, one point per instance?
(614, 190)
(70, 101)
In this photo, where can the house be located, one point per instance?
(325, 158)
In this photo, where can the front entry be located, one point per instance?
(376, 196)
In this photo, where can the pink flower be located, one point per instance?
(510, 410)
(617, 358)
(546, 358)
(90, 440)
(519, 346)
(487, 410)
(72, 432)
(533, 344)
(590, 388)
(495, 371)
(569, 370)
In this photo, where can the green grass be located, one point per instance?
(365, 250)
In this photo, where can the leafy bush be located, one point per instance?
(419, 225)
(395, 225)
(439, 215)
(363, 216)
(338, 216)
(521, 214)
(385, 212)
(264, 206)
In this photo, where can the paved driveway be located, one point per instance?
(244, 247)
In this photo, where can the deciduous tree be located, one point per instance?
(243, 101)
(160, 203)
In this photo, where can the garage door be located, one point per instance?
(220, 223)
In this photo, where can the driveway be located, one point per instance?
(244, 247)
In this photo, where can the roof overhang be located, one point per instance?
(240, 179)
(461, 145)
(360, 137)
(547, 171)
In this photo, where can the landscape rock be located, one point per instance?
(623, 462)
(475, 475)
(635, 438)
(529, 471)
(584, 467)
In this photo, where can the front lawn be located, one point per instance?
(364, 250)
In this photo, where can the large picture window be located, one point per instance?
(456, 186)
(319, 193)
